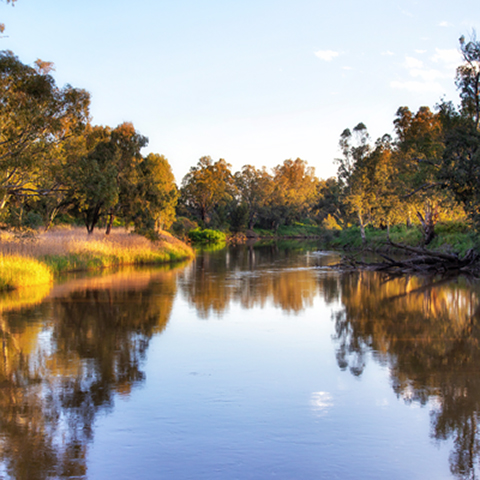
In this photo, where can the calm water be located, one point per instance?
(245, 364)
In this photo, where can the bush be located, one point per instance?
(206, 236)
(330, 223)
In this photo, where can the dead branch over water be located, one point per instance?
(419, 261)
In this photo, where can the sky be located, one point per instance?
(253, 81)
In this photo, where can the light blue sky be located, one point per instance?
(249, 81)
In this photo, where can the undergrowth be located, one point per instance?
(34, 260)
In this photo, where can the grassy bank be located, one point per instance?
(17, 271)
(452, 237)
(35, 259)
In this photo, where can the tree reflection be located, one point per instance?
(428, 333)
(64, 361)
(250, 277)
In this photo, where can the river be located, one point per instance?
(247, 363)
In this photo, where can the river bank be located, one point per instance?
(450, 237)
(37, 258)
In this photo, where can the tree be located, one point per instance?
(93, 178)
(102, 181)
(294, 190)
(461, 167)
(419, 149)
(328, 203)
(468, 78)
(154, 196)
(254, 187)
(353, 174)
(208, 185)
(37, 119)
(127, 143)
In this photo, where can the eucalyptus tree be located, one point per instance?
(207, 186)
(127, 143)
(254, 187)
(294, 190)
(92, 179)
(153, 196)
(468, 78)
(420, 147)
(353, 174)
(101, 181)
(37, 119)
(461, 157)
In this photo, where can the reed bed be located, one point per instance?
(17, 271)
(72, 249)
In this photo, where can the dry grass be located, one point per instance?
(68, 249)
(17, 271)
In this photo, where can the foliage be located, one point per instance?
(330, 223)
(55, 164)
(461, 167)
(206, 236)
(182, 226)
(64, 250)
(17, 271)
(208, 185)
(37, 120)
(254, 187)
(294, 191)
(468, 79)
(152, 198)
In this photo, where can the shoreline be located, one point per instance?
(39, 258)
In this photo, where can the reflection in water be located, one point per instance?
(428, 333)
(252, 277)
(64, 360)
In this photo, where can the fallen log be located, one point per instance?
(419, 261)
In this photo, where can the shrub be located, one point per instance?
(330, 223)
(206, 236)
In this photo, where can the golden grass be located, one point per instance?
(17, 271)
(70, 249)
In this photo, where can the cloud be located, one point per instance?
(444, 24)
(412, 63)
(327, 55)
(347, 68)
(450, 57)
(388, 52)
(321, 401)
(418, 87)
(425, 78)
(420, 51)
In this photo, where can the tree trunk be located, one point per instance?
(109, 223)
(428, 223)
(92, 217)
(362, 228)
(50, 217)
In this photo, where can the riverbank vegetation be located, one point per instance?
(27, 260)
(56, 167)
(419, 185)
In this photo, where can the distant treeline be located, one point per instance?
(56, 166)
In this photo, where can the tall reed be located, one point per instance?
(70, 249)
(17, 271)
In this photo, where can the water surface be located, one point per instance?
(248, 363)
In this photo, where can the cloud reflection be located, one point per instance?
(321, 401)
